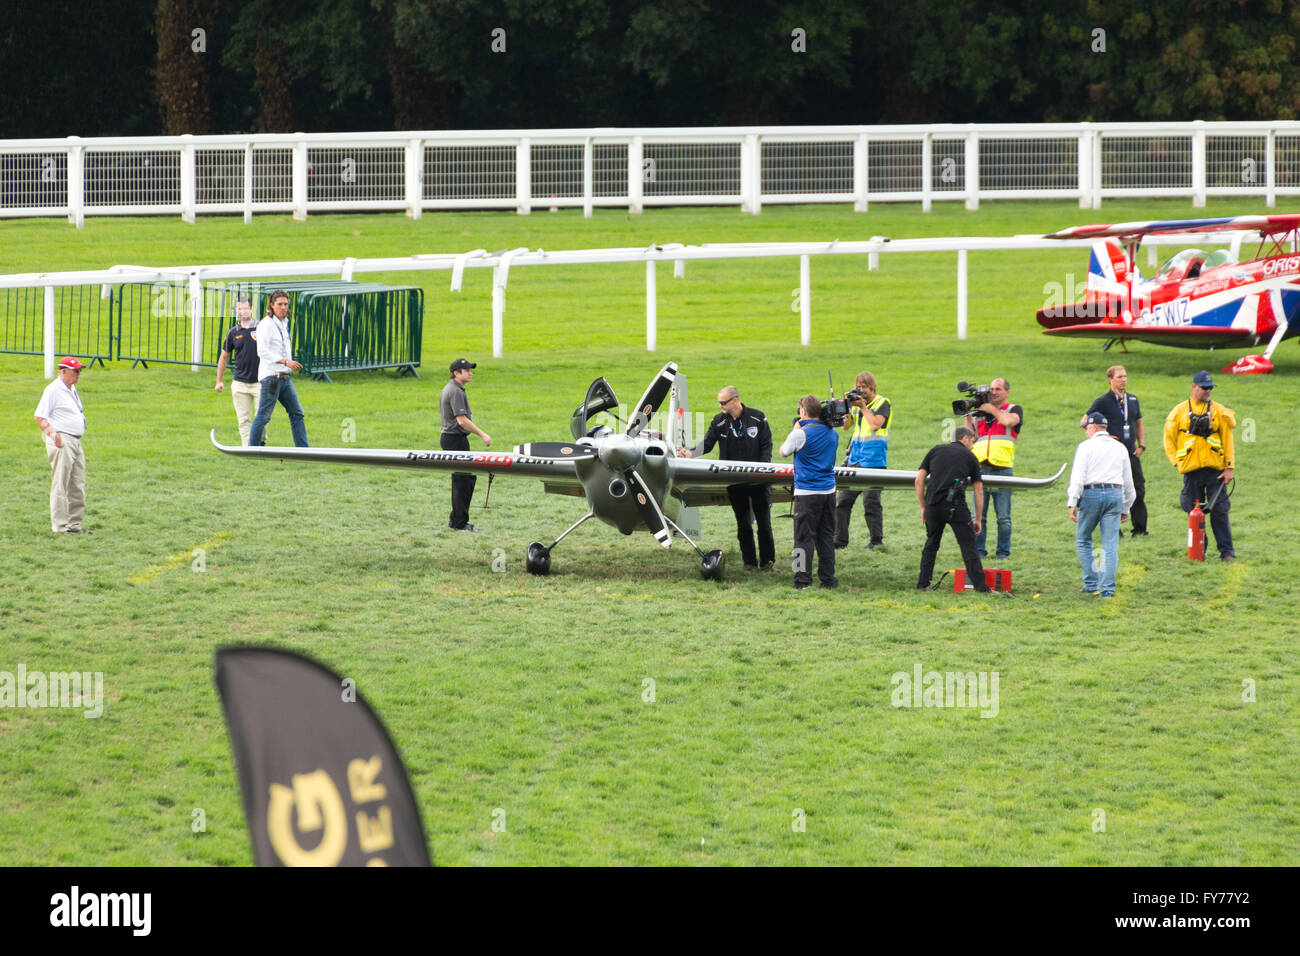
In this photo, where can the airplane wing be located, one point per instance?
(1191, 336)
(557, 473)
(699, 481)
(1265, 225)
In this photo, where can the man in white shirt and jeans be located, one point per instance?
(1101, 493)
(62, 421)
(275, 368)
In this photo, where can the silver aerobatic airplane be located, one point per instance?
(631, 479)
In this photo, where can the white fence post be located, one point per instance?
(588, 177)
(635, 174)
(961, 293)
(751, 175)
(1198, 165)
(927, 170)
(196, 321)
(248, 182)
(861, 185)
(1084, 164)
(48, 332)
(1097, 155)
(414, 179)
(805, 300)
(300, 180)
(188, 197)
(524, 177)
(651, 307)
(498, 309)
(76, 183)
(972, 169)
(1270, 169)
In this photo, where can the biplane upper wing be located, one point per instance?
(699, 481)
(1265, 225)
(1192, 336)
(554, 471)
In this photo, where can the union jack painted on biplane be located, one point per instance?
(1196, 299)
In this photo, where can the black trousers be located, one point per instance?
(871, 509)
(1137, 515)
(462, 484)
(938, 517)
(1202, 485)
(814, 529)
(758, 499)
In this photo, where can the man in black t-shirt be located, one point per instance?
(245, 390)
(950, 469)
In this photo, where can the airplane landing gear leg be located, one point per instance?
(538, 559)
(712, 563)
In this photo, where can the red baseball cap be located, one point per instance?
(71, 363)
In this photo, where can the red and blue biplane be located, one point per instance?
(1196, 299)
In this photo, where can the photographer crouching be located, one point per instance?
(813, 444)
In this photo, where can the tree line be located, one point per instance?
(136, 67)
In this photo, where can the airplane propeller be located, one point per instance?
(563, 450)
(652, 399)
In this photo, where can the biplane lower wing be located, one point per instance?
(1192, 336)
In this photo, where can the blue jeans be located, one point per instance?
(276, 389)
(1099, 506)
(1002, 508)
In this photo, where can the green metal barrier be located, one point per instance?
(337, 326)
(361, 327)
(83, 322)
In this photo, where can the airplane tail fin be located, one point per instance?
(1107, 267)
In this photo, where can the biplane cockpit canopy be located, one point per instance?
(600, 398)
(1187, 264)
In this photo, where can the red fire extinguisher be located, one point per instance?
(1196, 533)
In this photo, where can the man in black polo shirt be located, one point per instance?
(457, 424)
(950, 469)
(742, 434)
(245, 390)
(1124, 422)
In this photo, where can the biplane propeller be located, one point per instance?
(630, 477)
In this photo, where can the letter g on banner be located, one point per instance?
(317, 802)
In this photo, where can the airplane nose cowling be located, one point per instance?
(619, 453)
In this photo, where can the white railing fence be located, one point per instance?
(192, 278)
(525, 169)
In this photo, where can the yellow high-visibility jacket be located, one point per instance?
(1188, 452)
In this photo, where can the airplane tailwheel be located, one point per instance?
(712, 566)
(538, 559)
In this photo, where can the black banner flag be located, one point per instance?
(323, 784)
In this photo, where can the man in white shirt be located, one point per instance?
(275, 368)
(1101, 493)
(62, 421)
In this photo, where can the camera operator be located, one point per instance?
(950, 468)
(813, 444)
(997, 425)
(742, 434)
(1198, 441)
(868, 420)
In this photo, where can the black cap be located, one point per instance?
(461, 363)
(1095, 418)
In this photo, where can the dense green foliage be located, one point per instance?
(525, 694)
(285, 65)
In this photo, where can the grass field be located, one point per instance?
(505, 691)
